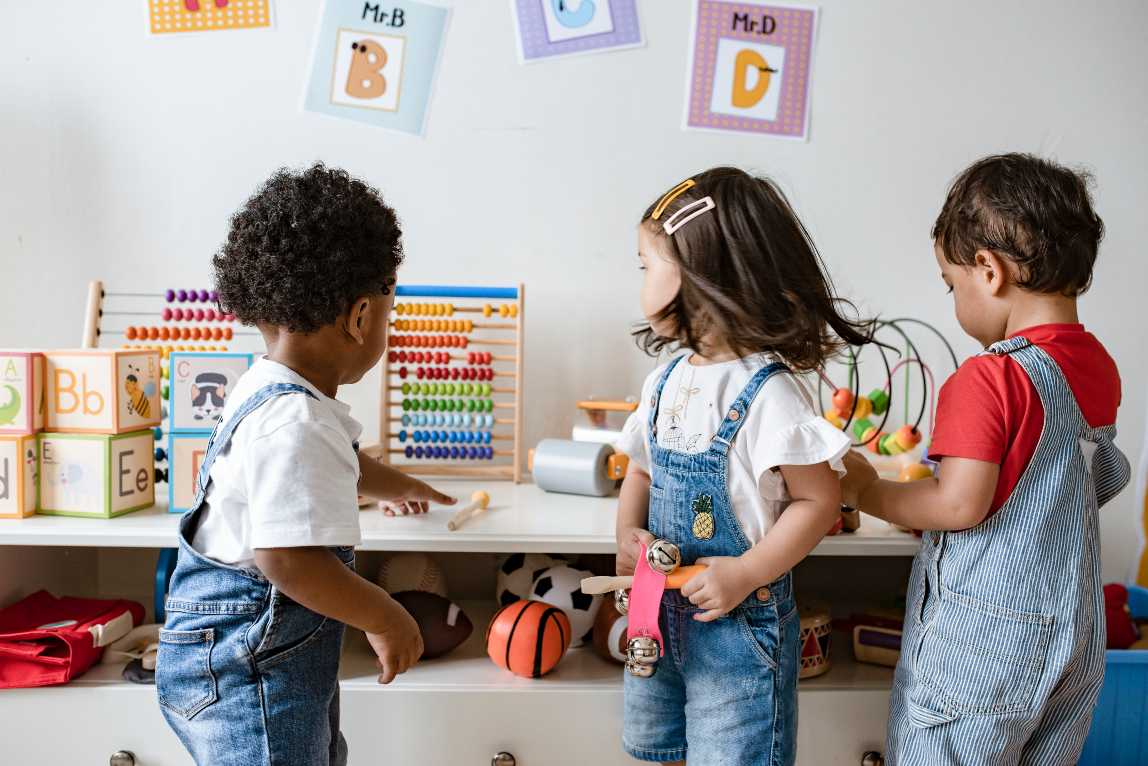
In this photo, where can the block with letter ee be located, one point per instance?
(101, 475)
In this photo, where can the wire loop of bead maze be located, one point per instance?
(451, 386)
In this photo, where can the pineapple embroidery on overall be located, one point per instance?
(703, 508)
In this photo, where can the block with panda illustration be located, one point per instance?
(199, 384)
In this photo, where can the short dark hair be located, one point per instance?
(751, 274)
(1029, 210)
(304, 247)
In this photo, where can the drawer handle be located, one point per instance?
(503, 759)
(122, 758)
(872, 758)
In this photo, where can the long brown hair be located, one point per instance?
(750, 275)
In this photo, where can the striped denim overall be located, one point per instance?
(1003, 652)
(246, 676)
(725, 692)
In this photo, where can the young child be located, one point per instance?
(1003, 651)
(249, 655)
(731, 463)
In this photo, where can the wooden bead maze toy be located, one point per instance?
(451, 389)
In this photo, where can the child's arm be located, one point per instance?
(317, 579)
(405, 492)
(959, 497)
(816, 493)
(633, 515)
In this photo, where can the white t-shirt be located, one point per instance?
(781, 427)
(288, 478)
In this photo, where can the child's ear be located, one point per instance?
(359, 319)
(993, 272)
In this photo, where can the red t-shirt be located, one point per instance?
(989, 410)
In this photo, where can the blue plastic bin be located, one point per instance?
(1119, 734)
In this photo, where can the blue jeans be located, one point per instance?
(245, 676)
(728, 687)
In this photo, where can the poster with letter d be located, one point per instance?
(749, 67)
(376, 62)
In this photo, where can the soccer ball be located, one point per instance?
(517, 574)
(561, 586)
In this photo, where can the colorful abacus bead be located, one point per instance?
(834, 419)
(863, 431)
(169, 295)
(880, 399)
(862, 409)
(888, 445)
(842, 402)
(907, 437)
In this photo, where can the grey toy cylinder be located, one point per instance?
(576, 468)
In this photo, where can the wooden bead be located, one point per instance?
(843, 402)
(834, 419)
(907, 437)
(863, 408)
(880, 400)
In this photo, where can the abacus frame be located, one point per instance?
(388, 418)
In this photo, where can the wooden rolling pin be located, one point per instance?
(605, 584)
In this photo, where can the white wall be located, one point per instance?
(121, 157)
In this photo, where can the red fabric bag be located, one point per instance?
(46, 640)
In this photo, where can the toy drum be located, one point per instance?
(815, 633)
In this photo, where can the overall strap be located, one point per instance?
(656, 397)
(221, 436)
(1047, 378)
(736, 415)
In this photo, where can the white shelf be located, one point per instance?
(521, 518)
(469, 669)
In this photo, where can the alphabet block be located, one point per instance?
(21, 392)
(19, 466)
(200, 384)
(100, 475)
(102, 391)
(185, 456)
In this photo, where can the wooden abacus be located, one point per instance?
(180, 320)
(451, 390)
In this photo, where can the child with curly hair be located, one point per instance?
(249, 655)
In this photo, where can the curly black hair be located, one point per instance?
(304, 247)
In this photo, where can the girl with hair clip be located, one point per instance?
(730, 462)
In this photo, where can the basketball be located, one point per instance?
(610, 633)
(528, 638)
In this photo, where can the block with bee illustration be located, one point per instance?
(102, 391)
(199, 384)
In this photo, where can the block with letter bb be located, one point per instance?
(100, 475)
(21, 392)
(102, 391)
(19, 463)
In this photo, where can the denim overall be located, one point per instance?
(1002, 657)
(725, 691)
(245, 675)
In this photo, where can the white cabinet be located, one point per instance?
(455, 711)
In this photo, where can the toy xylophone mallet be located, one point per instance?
(478, 503)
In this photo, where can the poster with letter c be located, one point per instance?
(750, 67)
(376, 62)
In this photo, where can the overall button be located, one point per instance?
(763, 594)
(734, 415)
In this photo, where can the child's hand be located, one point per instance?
(415, 496)
(398, 646)
(859, 477)
(630, 541)
(723, 585)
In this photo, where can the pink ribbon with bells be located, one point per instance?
(644, 608)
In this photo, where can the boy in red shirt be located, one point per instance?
(1003, 651)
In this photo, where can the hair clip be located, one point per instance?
(694, 209)
(670, 196)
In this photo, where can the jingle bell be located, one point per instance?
(663, 556)
(643, 650)
(622, 601)
(640, 671)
